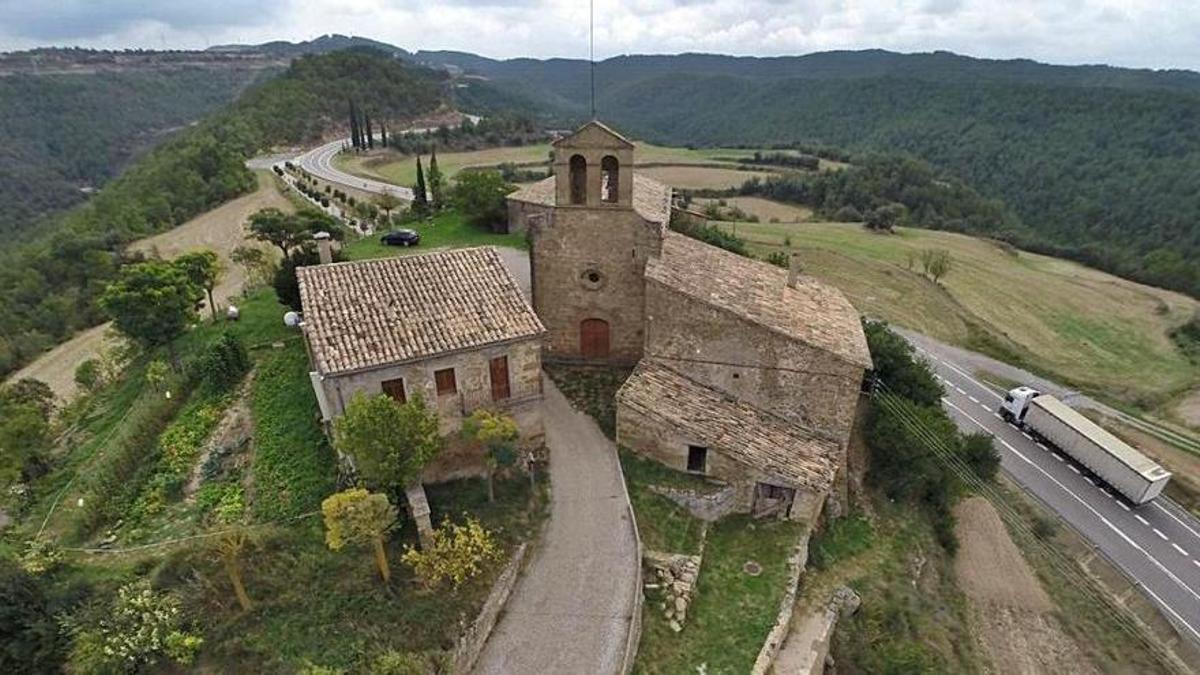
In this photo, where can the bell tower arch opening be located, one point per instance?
(577, 175)
(610, 179)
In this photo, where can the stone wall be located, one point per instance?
(707, 506)
(470, 643)
(522, 214)
(815, 631)
(806, 385)
(656, 439)
(779, 631)
(588, 263)
(473, 380)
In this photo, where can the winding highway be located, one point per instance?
(1156, 544)
(319, 162)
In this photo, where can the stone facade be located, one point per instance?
(799, 382)
(756, 369)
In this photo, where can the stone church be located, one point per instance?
(744, 372)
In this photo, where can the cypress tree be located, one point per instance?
(370, 135)
(353, 125)
(420, 197)
(435, 180)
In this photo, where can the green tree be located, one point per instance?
(361, 518)
(979, 452)
(897, 366)
(497, 433)
(32, 642)
(480, 196)
(390, 442)
(28, 391)
(87, 375)
(151, 302)
(204, 269)
(420, 195)
(936, 262)
(291, 231)
(387, 202)
(25, 442)
(370, 133)
(435, 180)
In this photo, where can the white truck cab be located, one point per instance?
(1016, 404)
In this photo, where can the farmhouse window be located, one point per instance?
(697, 458)
(395, 389)
(445, 381)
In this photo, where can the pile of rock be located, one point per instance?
(675, 575)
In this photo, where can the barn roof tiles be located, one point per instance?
(813, 312)
(372, 313)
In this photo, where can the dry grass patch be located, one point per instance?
(701, 177)
(1011, 616)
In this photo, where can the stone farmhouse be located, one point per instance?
(745, 373)
(451, 326)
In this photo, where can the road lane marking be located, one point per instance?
(1160, 534)
(960, 371)
(997, 416)
(1058, 457)
(1107, 523)
(1142, 520)
(1027, 436)
(1072, 467)
(973, 399)
(1041, 445)
(1180, 549)
(987, 409)
(960, 390)
(1176, 519)
(1122, 504)
(1089, 480)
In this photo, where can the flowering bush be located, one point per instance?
(455, 553)
(141, 627)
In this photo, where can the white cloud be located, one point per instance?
(1151, 33)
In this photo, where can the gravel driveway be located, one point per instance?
(570, 612)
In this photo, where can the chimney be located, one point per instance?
(324, 247)
(794, 270)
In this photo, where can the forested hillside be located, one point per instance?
(1099, 163)
(48, 286)
(60, 133)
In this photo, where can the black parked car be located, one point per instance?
(401, 238)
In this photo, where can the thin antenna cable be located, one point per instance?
(592, 51)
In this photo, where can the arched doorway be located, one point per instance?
(578, 179)
(593, 339)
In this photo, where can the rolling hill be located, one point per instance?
(1095, 160)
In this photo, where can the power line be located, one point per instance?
(1068, 569)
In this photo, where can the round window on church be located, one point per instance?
(592, 279)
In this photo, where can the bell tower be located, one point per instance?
(589, 250)
(593, 168)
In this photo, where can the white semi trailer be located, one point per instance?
(1114, 461)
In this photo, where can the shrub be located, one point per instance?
(87, 375)
(848, 214)
(455, 554)
(778, 259)
(221, 365)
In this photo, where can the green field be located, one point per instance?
(1104, 335)
(402, 170)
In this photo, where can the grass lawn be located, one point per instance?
(663, 525)
(1104, 335)
(330, 608)
(913, 617)
(446, 230)
(732, 612)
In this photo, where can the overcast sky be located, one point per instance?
(1143, 33)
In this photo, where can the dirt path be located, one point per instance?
(571, 610)
(1011, 614)
(221, 229)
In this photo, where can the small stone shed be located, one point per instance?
(452, 326)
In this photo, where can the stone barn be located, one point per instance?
(452, 326)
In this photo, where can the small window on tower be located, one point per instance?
(578, 176)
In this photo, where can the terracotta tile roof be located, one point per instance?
(813, 312)
(651, 199)
(731, 426)
(360, 315)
